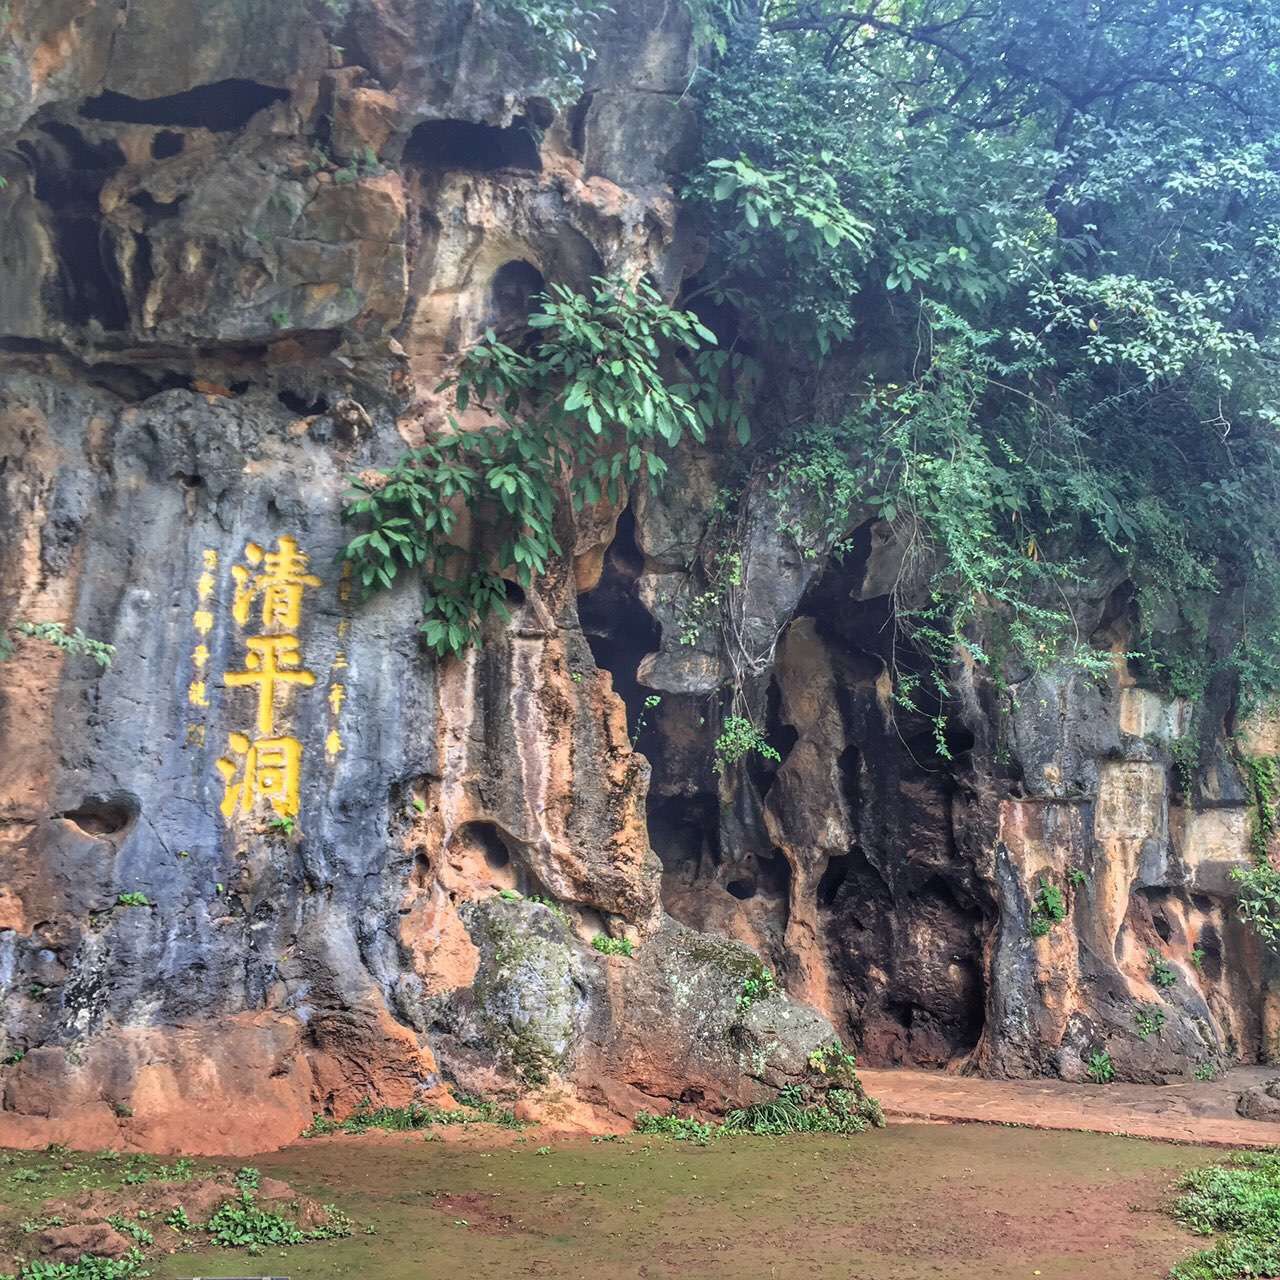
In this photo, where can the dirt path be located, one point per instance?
(1201, 1113)
(966, 1202)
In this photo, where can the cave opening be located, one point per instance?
(223, 107)
(303, 405)
(902, 930)
(474, 147)
(167, 144)
(512, 295)
(621, 632)
(103, 815)
(70, 172)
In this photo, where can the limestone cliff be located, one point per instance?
(262, 866)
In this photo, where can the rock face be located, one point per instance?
(274, 859)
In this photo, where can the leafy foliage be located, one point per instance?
(1163, 974)
(75, 643)
(471, 1110)
(1148, 1019)
(794, 1111)
(681, 1128)
(1048, 908)
(1099, 1067)
(1258, 886)
(739, 737)
(759, 984)
(587, 408)
(613, 946)
(1239, 1200)
(1022, 264)
(242, 1222)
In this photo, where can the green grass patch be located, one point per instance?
(1239, 1202)
(472, 1110)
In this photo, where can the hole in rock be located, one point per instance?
(299, 404)
(621, 631)
(742, 889)
(1161, 925)
(514, 593)
(165, 145)
(156, 210)
(488, 840)
(832, 881)
(685, 830)
(773, 875)
(70, 172)
(511, 294)
(1211, 944)
(781, 737)
(222, 107)
(103, 816)
(479, 148)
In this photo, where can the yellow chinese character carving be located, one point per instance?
(281, 582)
(333, 744)
(336, 696)
(197, 694)
(210, 559)
(270, 768)
(200, 656)
(271, 660)
(202, 620)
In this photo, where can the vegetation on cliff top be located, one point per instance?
(1013, 275)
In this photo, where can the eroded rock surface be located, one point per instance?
(239, 247)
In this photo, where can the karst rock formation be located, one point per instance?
(241, 243)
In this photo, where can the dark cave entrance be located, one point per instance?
(70, 172)
(903, 916)
(621, 632)
(224, 107)
(475, 148)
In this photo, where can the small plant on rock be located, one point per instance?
(1148, 1020)
(1162, 973)
(613, 946)
(1100, 1068)
(758, 985)
(134, 899)
(1048, 908)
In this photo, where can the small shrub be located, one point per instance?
(138, 1234)
(240, 1223)
(133, 900)
(1148, 1019)
(836, 1111)
(1100, 1068)
(1048, 908)
(738, 738)
(472, 1110)
(613, 946)
(1239, 1200)
(681, 1128)
(758, 985)
(1197, 959)
(1162, 973)
(177, 1219)
(835, 1061)
(1207, 1071)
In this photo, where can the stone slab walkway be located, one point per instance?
(1203, 1113)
